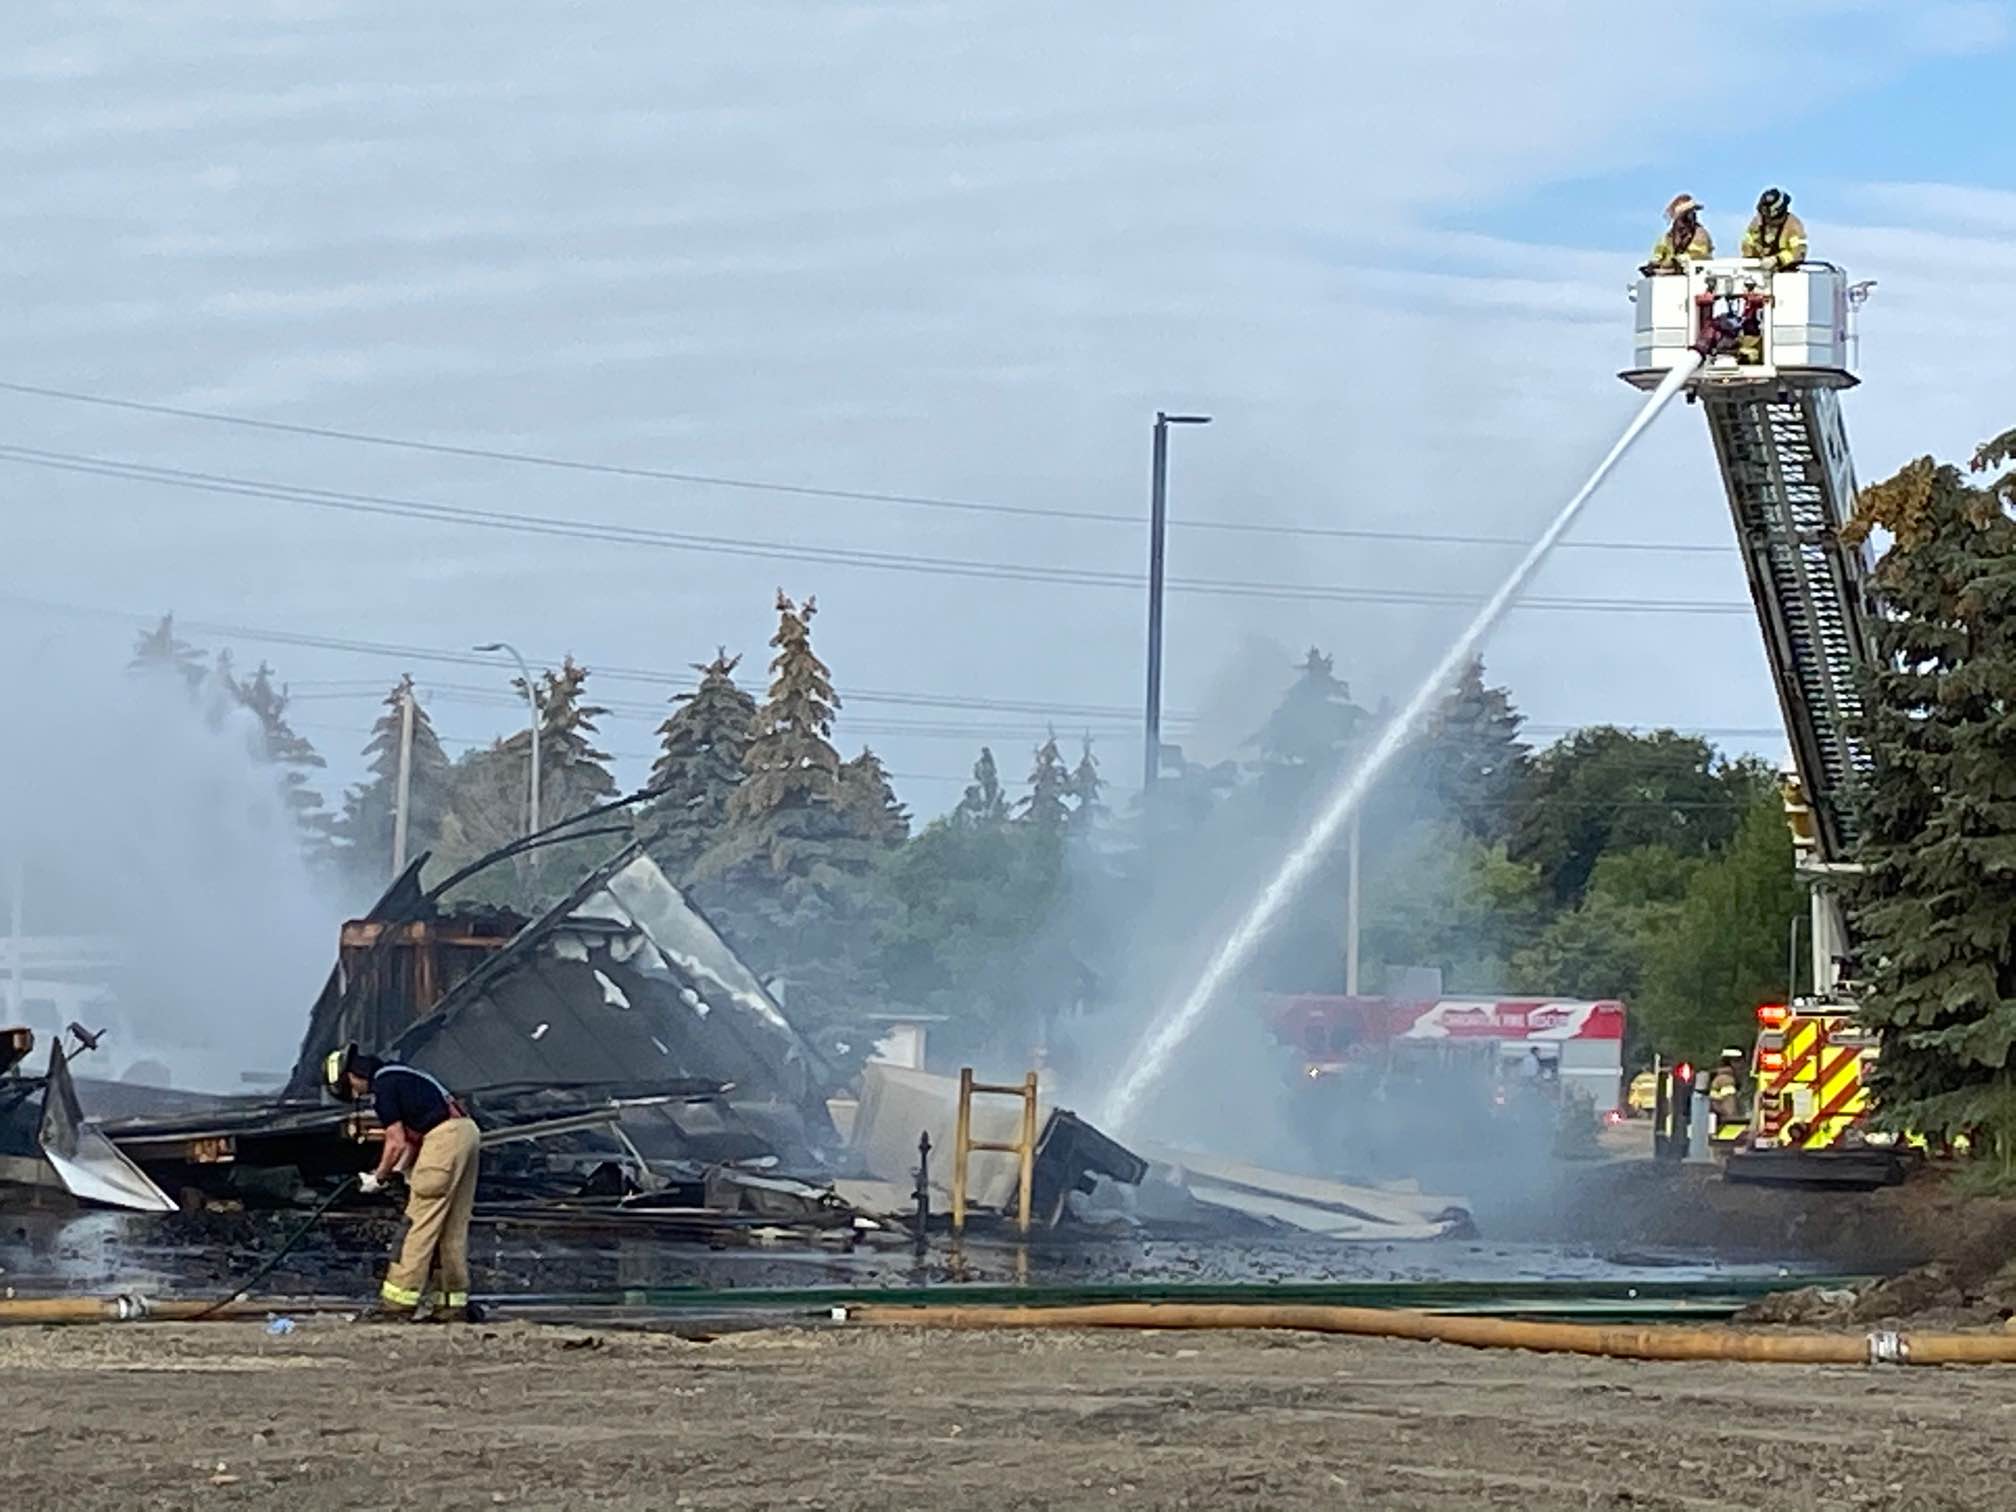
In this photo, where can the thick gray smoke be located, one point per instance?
(158, 861)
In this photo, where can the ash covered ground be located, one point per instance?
(225, 1414)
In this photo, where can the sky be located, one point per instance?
(958, 253)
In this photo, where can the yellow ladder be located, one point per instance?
(964, 1144)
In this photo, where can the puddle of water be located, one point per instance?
(201, 1255)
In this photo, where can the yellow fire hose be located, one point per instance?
(134, 1309)
(1617, 1343)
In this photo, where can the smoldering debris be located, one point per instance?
(636, 1083)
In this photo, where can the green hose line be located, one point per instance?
(1586, 1299)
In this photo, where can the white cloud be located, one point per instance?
(933, 249)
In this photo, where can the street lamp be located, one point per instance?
(1158, 529)
(532, 703)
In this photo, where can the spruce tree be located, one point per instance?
(162, 650)
(1471, 760)
(574, 773)
(1307, 737)
(1935, 910)
(701, 751)
(789, 877)
(365, 829)
(1046, 808)
(289, 753)
(985, 806)
(870, 803)
(1087, 809)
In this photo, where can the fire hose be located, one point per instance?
(129, 1307)
(1618, 1343)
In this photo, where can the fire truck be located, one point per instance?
(1380, 1083)
(1777, 349)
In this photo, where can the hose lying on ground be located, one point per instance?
(1620, 1343)
(128, 1307)
(285, 1249)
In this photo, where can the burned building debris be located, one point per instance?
(630, 1074)
(46, 1147)
(618, 1028)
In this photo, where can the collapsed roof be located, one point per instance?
(622, 984)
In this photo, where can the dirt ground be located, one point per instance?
(521, 1415)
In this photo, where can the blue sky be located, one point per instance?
(958, 249)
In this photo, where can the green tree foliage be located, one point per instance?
(1605, 789)
(162, 650)
(1440, 897)
(1936, 909)
(1471, 762)
(487, 810)
(701, 748)
(574, 774)
(1598, 949)
(965, 939)
(1046, 807)
(985, 806)
(364, 830)
(1728, 947)
(869, 800)
(290, 754)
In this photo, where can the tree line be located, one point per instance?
(1607, 864)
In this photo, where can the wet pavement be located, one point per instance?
(200, 1255)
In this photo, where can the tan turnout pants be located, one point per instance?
(442, 1194)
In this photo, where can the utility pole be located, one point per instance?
(1351, 916)
(404, 789)
(1158, 530)
(532, 703)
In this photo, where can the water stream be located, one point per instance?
(1166, 1035)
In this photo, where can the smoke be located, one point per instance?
(162, 879)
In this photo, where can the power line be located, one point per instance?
(824, 556)
(810, 491)
(450, 657)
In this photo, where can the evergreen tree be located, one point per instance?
(574, 773)
(985, 806)
(1936, 908)
(870, 802)
(701, 751)
(789, 878)
(1306, 740)
(162, 650)
(1046, 808)
(790, 769)
(1087, 786)
(290, 754)
(1471, 760)
(369, 816)
(1315, 720)
(487, 803)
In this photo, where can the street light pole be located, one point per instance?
(403, 790)
(531, 703)
(1158, 530)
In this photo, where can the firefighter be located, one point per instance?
(430, 1139)
(1776, 235)
(1725, 1096)
(1686, 239)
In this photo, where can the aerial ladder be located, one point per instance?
(1776, 349)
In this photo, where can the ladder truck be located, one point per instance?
(1777, 349)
